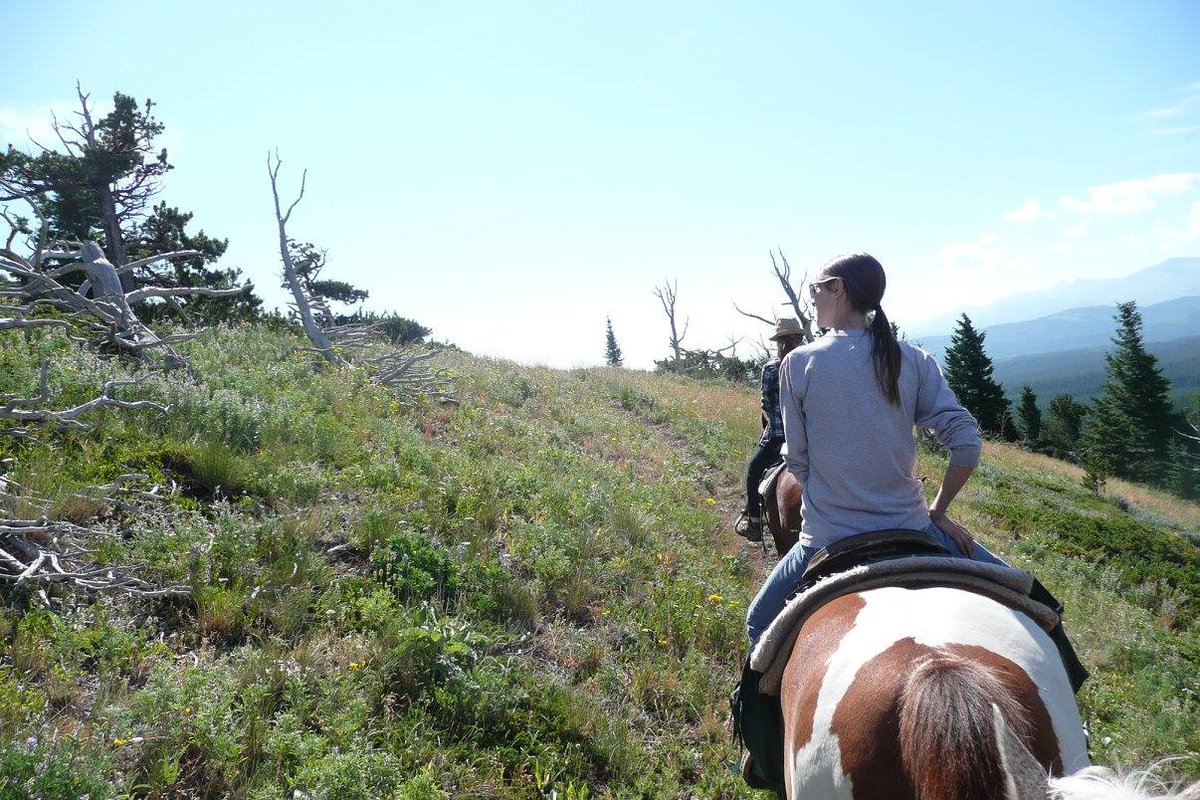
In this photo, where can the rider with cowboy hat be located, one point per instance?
(788, 336)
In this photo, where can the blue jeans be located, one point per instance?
(785, 579)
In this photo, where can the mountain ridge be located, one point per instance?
(1166, 280)
(1078, 328)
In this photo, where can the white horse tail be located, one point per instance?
(948, 742)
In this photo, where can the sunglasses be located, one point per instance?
(812, 287)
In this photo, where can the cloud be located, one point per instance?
(1076, 231)
(20, 127)
(1130, 197)
(984, 250)
(1193, 230)
(1025, 214)
(1180, 118)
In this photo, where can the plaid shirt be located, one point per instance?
(772, 414)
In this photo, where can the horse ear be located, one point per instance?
(1024, 777)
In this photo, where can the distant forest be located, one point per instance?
(1080, 373)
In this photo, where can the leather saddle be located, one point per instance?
(868, 548)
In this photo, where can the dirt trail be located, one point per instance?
(729, 495)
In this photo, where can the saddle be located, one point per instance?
(766, 486)
(868, 548)
(922, 566)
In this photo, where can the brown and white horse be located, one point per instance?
(934, 694)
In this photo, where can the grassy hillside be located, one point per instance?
(531, 588)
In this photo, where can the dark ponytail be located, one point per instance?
(864, 280)
(885, 351)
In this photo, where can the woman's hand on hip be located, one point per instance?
(952, 528)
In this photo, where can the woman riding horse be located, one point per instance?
(850, 401)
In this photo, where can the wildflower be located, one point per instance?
(712, 501)
(715, 598)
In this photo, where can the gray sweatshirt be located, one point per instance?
(854, 452)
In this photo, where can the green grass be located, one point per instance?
(532, 589)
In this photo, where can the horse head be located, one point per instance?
(1025, 779)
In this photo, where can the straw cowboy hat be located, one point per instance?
(787, 326)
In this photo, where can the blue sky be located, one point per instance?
(511, 174)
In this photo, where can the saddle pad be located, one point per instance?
(767, 485)
(1007, 585)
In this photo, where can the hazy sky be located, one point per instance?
(510, 174)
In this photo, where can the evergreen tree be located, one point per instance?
(1183, 477)
(102, 187)
(309, 262)
(164, 232)
(397, 329)
(1061, 427)
(1129, 427)
(612, 351)
(968, 372)
(1030, 416)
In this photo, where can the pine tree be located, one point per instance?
(969, 374)
(1061, 427)
(612, 351)
(103, 186)
(1129, 427)
(1030, 416)
(1183, 477)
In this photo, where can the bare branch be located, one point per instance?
(784, 274)
(25, 409)
(138, 295)
(754, 316)
(141, 262)
(20, 321)
(38, 552)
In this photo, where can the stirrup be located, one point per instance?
(752, 775)
(749, 528)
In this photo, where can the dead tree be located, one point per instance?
(303, 303)
(800, 307)
(100, 305)
(666, 295)
(37, 552)
(399, 368)
(26, 410)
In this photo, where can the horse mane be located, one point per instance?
(947, 739)
(1101, 783)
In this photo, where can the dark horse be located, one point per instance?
(783, 512)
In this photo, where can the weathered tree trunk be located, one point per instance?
(115, 239)
(303, 305)
(666, 295)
